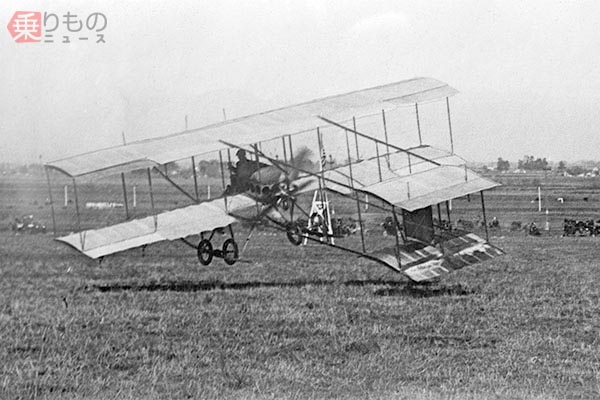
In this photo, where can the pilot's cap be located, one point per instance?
(241, 153)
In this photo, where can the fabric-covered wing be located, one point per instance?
(366, 172)
(169, 225)
(443, 177)
(253, 128)
(430, 187)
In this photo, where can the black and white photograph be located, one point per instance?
(300, 199)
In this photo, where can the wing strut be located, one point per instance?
(396, 235)
(355, 138)
(125, 196)
(284, 150)
(182, 190)
(362, 236)
(322, 182)
(51, 201)
(450, 125)
(78, 215)
(387, 142)
(152, 199)
(195, 179)
(291, 149)
(223, 179)
(379, 161)
(487, 238)
(439, 212)
(408, 152)
(418, 124)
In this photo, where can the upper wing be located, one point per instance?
(169, 225)
(253, 128)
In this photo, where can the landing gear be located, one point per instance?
(205, 252)
(285, 204)
(294, 234)
(229, 252)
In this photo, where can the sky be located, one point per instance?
(528, 72)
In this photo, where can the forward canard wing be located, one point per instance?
(170, 225)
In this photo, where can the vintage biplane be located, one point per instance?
(371, 181)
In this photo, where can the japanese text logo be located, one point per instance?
(48, 27)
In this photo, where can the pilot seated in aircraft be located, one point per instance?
(242, 172)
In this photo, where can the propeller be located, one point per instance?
(288, 184)
(281, 177)
(301, 161)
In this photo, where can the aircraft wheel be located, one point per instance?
(294, 235)
(205, 252)
(230, 251)
(285, 203)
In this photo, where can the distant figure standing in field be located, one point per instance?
(533, 229)
(495, 224)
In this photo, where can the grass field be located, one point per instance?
(303, 322)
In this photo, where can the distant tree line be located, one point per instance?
(530, 163)
(502, 165)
